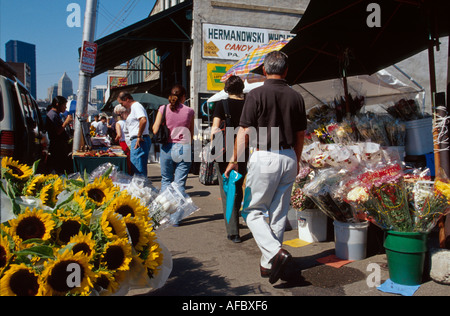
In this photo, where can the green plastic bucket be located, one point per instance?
(406, 256)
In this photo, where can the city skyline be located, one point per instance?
(56, 42)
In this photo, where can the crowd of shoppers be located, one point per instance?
(269, 171)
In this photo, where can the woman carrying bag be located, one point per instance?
(230, 111)
(175, 156)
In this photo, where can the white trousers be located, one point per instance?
(270, 177)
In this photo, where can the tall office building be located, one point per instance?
(21, 52)
(52, 92)
(65, 86)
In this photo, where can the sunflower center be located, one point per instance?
(96, 194)
(30, 227)
(16, 170)
(68, 229)
(102, 281)
(58, 278)
(24, 283)
(133, 231)
(114, 257)
(2, 256)
(124, 210)
(83, 247)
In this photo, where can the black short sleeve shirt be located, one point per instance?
(275, 105)
(235, 106)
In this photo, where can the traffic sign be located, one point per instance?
(88, 57)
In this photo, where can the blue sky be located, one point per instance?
(44, 23)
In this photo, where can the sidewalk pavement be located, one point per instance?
(206, 263)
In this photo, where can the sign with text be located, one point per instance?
(234, 42)
(88, 56)
(215, 73)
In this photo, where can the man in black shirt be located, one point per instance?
(59, 148)
(276, 114)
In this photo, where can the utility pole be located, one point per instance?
(84, 83)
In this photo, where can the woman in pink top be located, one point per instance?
(175, 156)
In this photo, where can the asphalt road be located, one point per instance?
(205, 263)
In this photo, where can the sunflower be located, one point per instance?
(113, 226)
(20, 280)
(52, 188)
(117, 255)
(34, 185)
(5, 253)
(16, 170)
(31, 224)
(139, 231)
(70, 226)
(125, 205)
(59, 274)
(83, 243)
(106, 280)
(152, 258)
(100, 191)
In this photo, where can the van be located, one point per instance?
(22, 134)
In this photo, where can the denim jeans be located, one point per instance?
(139, 156)
(175, 160)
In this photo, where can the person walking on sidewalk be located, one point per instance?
(138, 129)
(231, 109)
(175, 156)
(273, 166)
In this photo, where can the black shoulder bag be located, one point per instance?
(163, 134)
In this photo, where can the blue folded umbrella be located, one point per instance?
(229, 186)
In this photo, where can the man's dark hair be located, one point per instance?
(58, 100)
(276, 63)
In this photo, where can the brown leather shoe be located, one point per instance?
(265, 273)
(278, 263)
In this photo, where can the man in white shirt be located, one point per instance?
(138, 128)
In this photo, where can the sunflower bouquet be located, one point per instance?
(95, 240)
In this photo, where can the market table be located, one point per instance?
(88, 164)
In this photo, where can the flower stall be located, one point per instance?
(357, 172)
(86, 235)
(355, 182)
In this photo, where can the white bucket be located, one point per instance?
(351, 240)
(419, 137)
(312, 225)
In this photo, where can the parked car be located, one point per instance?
(22, 134)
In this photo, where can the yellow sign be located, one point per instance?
(215, 73)
(210, 49)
